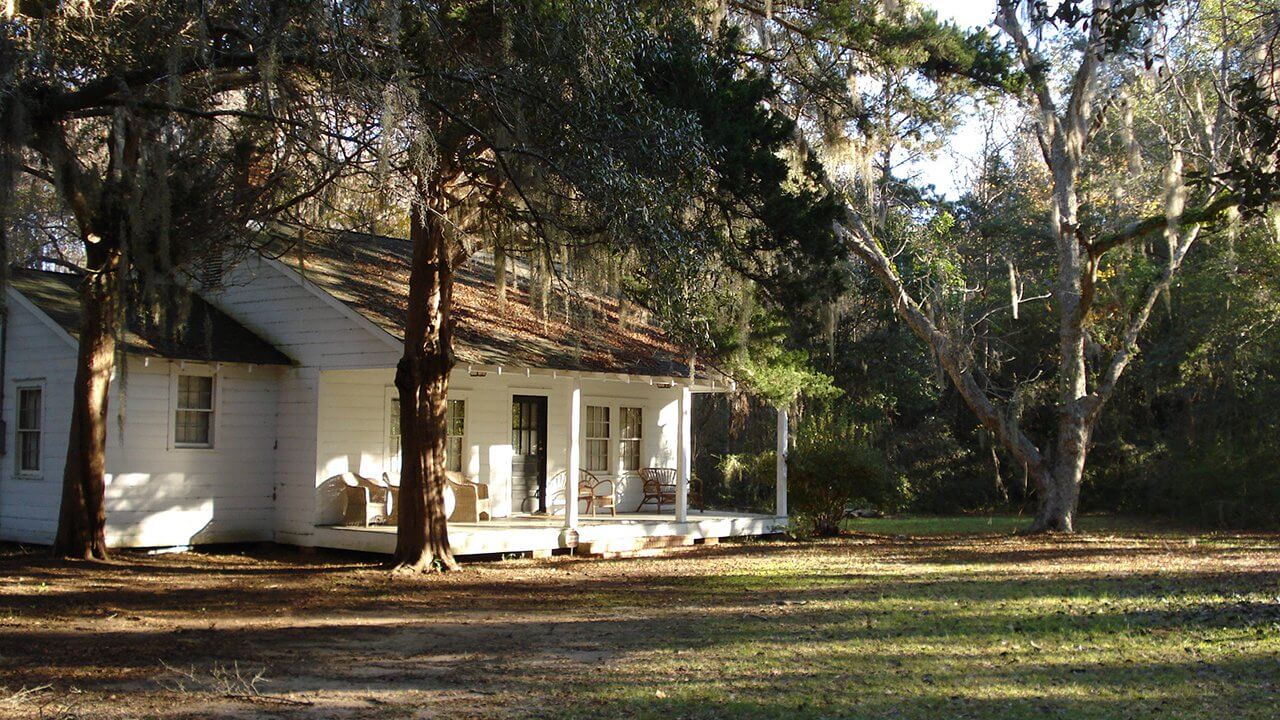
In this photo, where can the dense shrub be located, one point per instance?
(831, 469)
(747, 481)
(1216, 483)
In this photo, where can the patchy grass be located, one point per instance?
(1123, 624)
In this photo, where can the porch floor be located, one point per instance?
(531, 533)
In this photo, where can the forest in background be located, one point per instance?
(1190, 431)
(1089, 327)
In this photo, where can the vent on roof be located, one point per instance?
(209, 271)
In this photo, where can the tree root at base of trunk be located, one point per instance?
(1055, 526)
(428, 565)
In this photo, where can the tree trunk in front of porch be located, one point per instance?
(82, 517)
(422, 379)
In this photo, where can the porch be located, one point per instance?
(542, 534)
(529, 438)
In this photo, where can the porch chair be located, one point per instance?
(366, 501)
(464, 499)
(590, 489)
(660, 486)
(471, 499)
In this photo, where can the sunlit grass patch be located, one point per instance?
(1002, 628)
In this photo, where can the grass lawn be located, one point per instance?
(921, 621)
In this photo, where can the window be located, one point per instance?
(193, 423)
(597, 438)
(30, 417)
(393, 435)
(455, 432)
(455, 427)
(631, 419)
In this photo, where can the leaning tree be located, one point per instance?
(163, 129)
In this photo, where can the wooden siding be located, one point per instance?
(37, 355)
(156, 494)
(301, 321)
(295, 484)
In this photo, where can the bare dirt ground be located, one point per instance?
(869, 626)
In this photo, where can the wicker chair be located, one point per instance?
(660, 486)
(471, 499)
(592, 490)
(464, 500)
(366, 501)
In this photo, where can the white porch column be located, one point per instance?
(781, 468)
(684, 459)
(574, 461)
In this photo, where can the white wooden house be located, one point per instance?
(281, 380)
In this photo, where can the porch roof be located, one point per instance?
(370, 274)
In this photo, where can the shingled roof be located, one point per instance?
(370, 274)
(204, 334)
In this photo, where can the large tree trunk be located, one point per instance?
(82, 517)
(1060, 491)
(422, 378)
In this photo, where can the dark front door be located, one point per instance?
(529, 453)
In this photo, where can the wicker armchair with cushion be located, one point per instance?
(471, 499)
(464, 500)
(366, 501)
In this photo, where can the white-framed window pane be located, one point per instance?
(193, 427)
(630, 452)
(28, 451)
(455, 429)
(393, 436)
(597, 421)
(597, 455)
(457, 417)
(30, 400)
(193, 420)
(195, 392)
(631, 420)
(453, 454)
(597, 444)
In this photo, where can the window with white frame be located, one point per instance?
(29, 428)
(193, 418)
(630, 433)
(455, 434)
(393, 435)
(597, 445)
